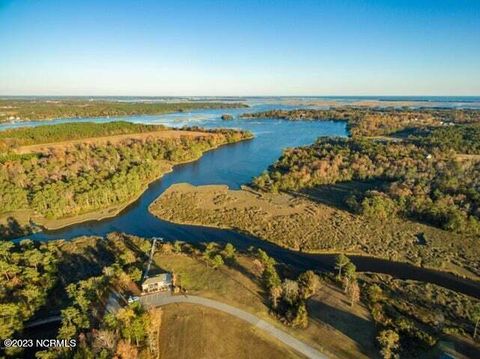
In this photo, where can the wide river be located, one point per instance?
(234, 165)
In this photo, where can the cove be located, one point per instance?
(234, 165)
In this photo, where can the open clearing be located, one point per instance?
(192, 331)
(164, 134)
(306, 225)
(334, 327)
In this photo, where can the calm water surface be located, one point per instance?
(234, 165)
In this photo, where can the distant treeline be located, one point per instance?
(70, 131)
(364, 121)
(25, 110)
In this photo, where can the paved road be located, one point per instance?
(36, 323)
(159, 299)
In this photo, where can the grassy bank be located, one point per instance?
(190, 331)
(302, 224)
(240, 285)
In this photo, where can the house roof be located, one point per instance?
(163, 277)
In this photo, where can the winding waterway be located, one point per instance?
(235, 165)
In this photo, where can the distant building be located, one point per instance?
(160, 282)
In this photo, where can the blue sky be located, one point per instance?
(240, 47)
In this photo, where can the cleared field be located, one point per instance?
(115, 139)
(191, 331)
(334, 327)
(306, 225)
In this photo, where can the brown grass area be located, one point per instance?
(225, 284)
(302, 224)
(334, 327)
(16, 224)
(191, 331)
(359, 103)
(164, 134)
(467, 157)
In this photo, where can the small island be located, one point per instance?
(227, 117)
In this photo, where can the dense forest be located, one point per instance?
(69, 131)
(28, 273)
(24, 110)
(425, 180)
(78, 277)
(428, 172)
(364, 121)
(69, 180)
(464, 139)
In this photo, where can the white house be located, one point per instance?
(160, 282)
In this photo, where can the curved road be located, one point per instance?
(159, 299)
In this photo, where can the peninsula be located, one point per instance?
(57, 175)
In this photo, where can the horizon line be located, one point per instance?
(233, 96)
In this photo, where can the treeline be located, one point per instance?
(288, 297)
(70, 131)
(86, 177)
(79, 277)
(120, 333)
(364, 121)
(424, 182)
(25, 110)
(410, 317)
(230, 135)
(460, 138)
(29, 272)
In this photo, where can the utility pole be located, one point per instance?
(152, 251)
